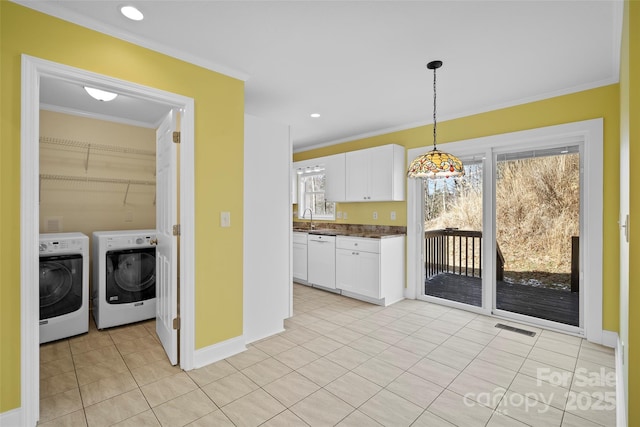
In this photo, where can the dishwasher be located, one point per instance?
(321, 264)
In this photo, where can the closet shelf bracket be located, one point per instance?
(86, 161)
(126, 193)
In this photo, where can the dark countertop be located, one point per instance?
(352, 230)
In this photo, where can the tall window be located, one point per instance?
(311, 187)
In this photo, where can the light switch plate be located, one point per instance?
(375, 215)
(225, 219)
(344, 215)
(393, 215)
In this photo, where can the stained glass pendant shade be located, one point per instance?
(435, 163)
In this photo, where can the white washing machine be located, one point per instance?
(64, 285)
(124, 277)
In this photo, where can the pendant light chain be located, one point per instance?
(434, 109)
(435, 164)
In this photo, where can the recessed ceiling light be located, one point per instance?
(132, 13)
(100, 95)
(315, 115)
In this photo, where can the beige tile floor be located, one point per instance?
(339, 362)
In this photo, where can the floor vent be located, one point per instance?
(512, 329)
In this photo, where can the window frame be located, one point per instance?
(302, 197)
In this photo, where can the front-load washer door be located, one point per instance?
(60, 285)
(131, 275)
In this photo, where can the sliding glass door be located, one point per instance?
(504, 239)
(537, 217)
(453, 236)
(540, 227)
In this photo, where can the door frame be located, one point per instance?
(32, 69)
(591, 132)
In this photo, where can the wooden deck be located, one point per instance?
(555, 305)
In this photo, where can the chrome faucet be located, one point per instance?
(311, 227)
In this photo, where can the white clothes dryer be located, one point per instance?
(64, 285)
(124, 277)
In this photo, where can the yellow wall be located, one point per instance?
(600, 102)
(219, 139)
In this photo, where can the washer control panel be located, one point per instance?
(62, 245)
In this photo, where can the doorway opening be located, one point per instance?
(33, 69)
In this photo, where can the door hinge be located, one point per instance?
(176, 323)
(176, 137)
(176, 230)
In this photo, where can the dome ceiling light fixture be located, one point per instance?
(435, 163)
(100, 95)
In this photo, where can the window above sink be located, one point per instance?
(311, 195)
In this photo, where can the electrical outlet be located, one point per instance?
(375, 215)
(344, 215)
(393, 215)
(339, 215)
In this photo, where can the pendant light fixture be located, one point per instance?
(435, 163)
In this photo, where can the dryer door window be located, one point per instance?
(131, 275)
(60, 285)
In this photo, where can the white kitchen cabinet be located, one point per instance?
(299, 256)
(335, 186)
(371, 269)
(375, 174)
(294, 186)
(321, 256)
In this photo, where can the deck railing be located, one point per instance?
(457, 251)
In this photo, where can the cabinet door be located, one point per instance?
(357, 176)
(300, 261)
(358, 272)
(369, 274)
(380, 173)
(294, 186)
(335, 178)
(346, 270)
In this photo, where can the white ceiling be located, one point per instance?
(361, 64)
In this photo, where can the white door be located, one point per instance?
(167, 243)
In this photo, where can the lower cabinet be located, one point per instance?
(300, 256)
(371, 269)
(359, 272)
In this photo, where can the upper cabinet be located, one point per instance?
(371, 175)
(335, 185)
(294, 185)
(375, 174)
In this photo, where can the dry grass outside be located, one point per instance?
(537, 213)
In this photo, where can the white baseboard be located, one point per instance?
(609, 339)
(214, 353)
(12, 418)
(621, 397)
(263, 335)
